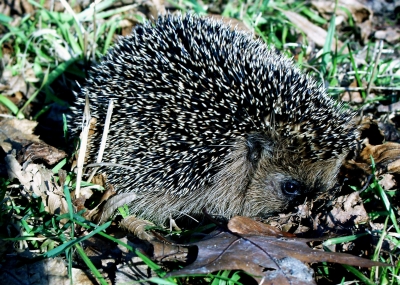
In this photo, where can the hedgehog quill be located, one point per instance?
(208, 117)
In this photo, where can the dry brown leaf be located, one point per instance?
(7, 50)
(165, 252)
(388, 182)
(41, 150)
(13, 84)
(391, 35)
(270, 260)
(38, 180)
(244, 225)
(86, 192)
(14, 170)
(386, 157)
(358, 169)
(16, 133)
(96, 213)
(57, 204)
(360, 13)
(314, 33)
(100, 179)
(108, 193)
(348, 210)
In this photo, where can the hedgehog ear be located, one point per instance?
(258, 145)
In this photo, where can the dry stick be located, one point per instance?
(378, 56)
(83, 145)
(103, 138)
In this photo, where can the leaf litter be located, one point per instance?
(266, 254)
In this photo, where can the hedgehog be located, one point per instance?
(207, 117)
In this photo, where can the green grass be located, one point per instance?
(58, 45)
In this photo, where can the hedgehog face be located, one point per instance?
(262, 176)
(271, 191)
(281, 179)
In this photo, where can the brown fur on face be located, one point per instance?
(265, 195)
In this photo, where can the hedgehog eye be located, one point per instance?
(291, 187)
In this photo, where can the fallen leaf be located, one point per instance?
(96, 213)
(12, 84)
(41, 150)
(347, 212)
(270, 260)
(14, 170)
(361, 14)
(38, 180)
(390, 35)
(18, 135)
(244, 225)
(386, 157)
(7, 50)
(388, 182)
